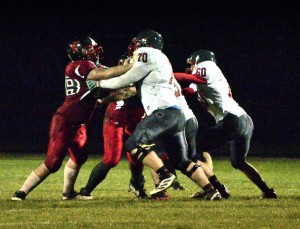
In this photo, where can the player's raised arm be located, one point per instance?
(137, 72)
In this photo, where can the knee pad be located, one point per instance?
(142, 152)
(182, 166)
(189, 173)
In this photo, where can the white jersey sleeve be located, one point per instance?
(217, 91)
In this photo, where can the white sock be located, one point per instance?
(31, 182)
(70, 176)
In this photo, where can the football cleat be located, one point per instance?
(84, 195)
(199, 195)
(137, 187)
(19, 196)
(166, 182)
(71, 196)
(270, 194)
(177, 186)
(224, 191)
(213, 195)
(163, 195)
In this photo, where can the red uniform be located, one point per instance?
(67, 129)
(120, 120)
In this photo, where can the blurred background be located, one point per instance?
(256, 45)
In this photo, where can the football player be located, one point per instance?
(233, 124)
(67, 134)
(123, 113)
(165, 120)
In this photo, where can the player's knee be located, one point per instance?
(183, 166)
(53, 165)
(129, 145)
(238, 164)
(111, 163)
(82, 159)
(190, 172)
(142, 151)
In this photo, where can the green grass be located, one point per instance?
(114, 207)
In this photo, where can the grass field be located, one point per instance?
(114, 207)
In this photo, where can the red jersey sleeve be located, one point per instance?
(186, 79)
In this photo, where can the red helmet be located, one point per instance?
(85, 49)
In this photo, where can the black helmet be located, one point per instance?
(200, 56)
(150, 38)
(84, 49)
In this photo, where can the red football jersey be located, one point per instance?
(80, 101)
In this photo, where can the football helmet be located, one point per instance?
(85, 49)
(200, 56)
(149, 38)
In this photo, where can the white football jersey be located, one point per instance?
(152, 71)
(187, 111)
(216, 91)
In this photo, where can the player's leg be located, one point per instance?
(113, 144)
(239, 150)
(206, 164)
(161, 152)
(137, 180)
(219, 135)
(59, 140)
(78, 157)
(149, 130)
(179, 157)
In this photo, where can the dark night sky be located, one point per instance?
(256, 45)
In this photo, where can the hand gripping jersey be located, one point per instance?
(152, 71)
(80, 102)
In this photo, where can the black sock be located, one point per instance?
(208, 188)
(263, 187)
(162, 171)
(215, 182)
(169, 166)
(97, 175)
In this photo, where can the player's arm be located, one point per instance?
(120, 94)
(186, 79)
(136, 73)
(107, 73)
